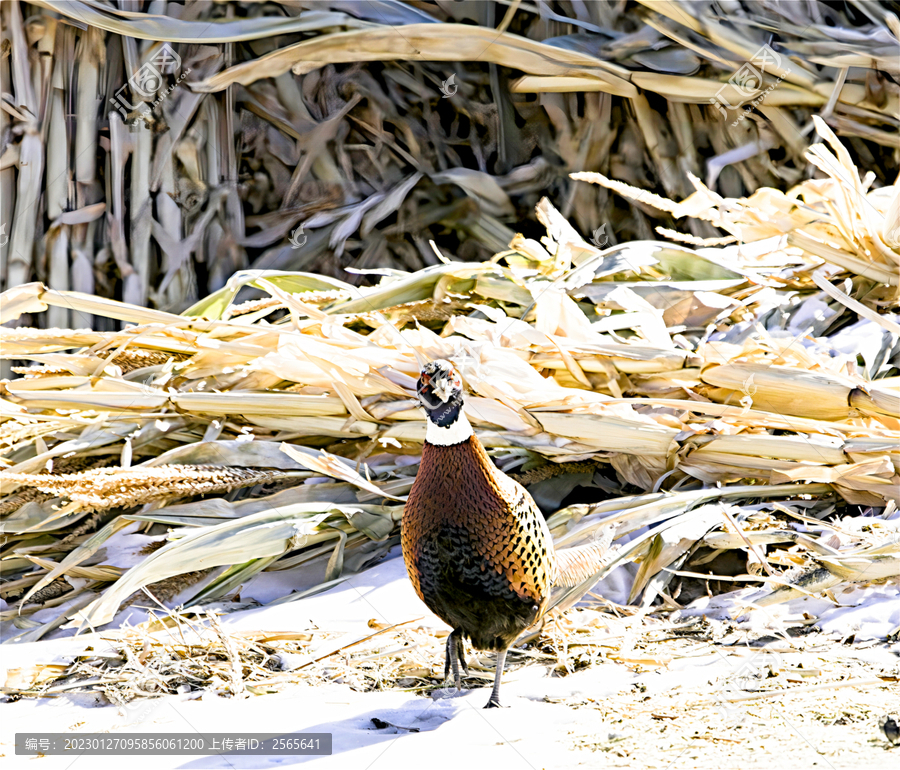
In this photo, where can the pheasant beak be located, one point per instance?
(443, 387)
(437, 385)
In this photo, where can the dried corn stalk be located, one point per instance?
(368, 131)
(118, 487)
(744, 389)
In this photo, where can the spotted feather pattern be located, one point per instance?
(476, 547)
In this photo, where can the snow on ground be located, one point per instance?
(537, 729)
(868, 612)
(452, 732)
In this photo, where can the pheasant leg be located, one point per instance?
(455, 657)
(494, 701)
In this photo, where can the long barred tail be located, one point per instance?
(575, 565)
(575, 568)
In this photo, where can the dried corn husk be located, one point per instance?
(717, 376)
(364, 173)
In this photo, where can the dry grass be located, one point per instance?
(675, 385)
(345, 130)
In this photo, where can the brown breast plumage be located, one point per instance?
(471, 533)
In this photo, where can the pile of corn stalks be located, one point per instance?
(735, 401)
(376, 126)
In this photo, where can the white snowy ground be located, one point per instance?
(457, 732)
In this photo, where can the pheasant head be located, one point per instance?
(440, 392)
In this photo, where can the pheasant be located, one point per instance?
(477, 549)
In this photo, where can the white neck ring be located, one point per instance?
(456, 433)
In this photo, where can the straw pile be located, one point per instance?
(319, 136)
(733, 409)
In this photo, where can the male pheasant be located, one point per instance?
(475, 544)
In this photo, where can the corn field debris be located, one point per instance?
(731, 408)
(149, 151)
